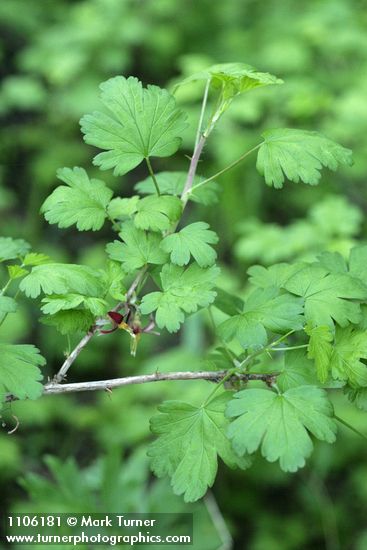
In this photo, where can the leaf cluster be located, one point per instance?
(300, 326)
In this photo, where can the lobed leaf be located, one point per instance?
(142, 123)
(346, 359)
(228, 303)
(193, 240)
(183, 291)
(138, 249)
(121, 208)
(19, 371)
(55, 302)
(10, 249)
(232, 78)
(190, 439)
(157, 213)
(298, 155)
(297, 371)
(279, 424)
(16, 271)
(35, 258)
(70, 321)
(57, 278)
(327, 296)
(276, 275)
(82, 201)
(265, 309)
(320, 348)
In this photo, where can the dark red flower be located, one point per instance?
(116, 317)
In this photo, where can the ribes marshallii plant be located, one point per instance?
(300, 331)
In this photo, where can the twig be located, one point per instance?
(135, 283)
(218, 521)
(202, 112)
(214, 376)
(74, 354)
(193, 166)
(189, 182)
(85, 340)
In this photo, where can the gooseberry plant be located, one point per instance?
(300, 332)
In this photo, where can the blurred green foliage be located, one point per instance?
(54, 54)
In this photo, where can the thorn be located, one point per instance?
(17, 423)
(270, 381)
(109, 391)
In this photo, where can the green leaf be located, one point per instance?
(157, 213)
(143, 122)
(19, 372)
(70, 321)
(297, 371)
(10, 249)
(228, 303)
(279, 424)
(16, 271)
(34, 258)
(298, 155)
(113, 277)
(193, 240)
(97, 306)
(55, 303)
(233, 78)
(82, 201)
(138, 249)
(173, 183)
(190, 439)
(320, 349)
(333, 262)
(120, 208)
(62, 279)
(276, 275)
(184, 290)
(326, 296)
(350, 347)
(7, 305)
(265, 309)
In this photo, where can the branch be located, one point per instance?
(213, 376)
(74, 354)
(199, 145)
(193, 166)
(134, 285)
(94, 330)
(188, 185)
